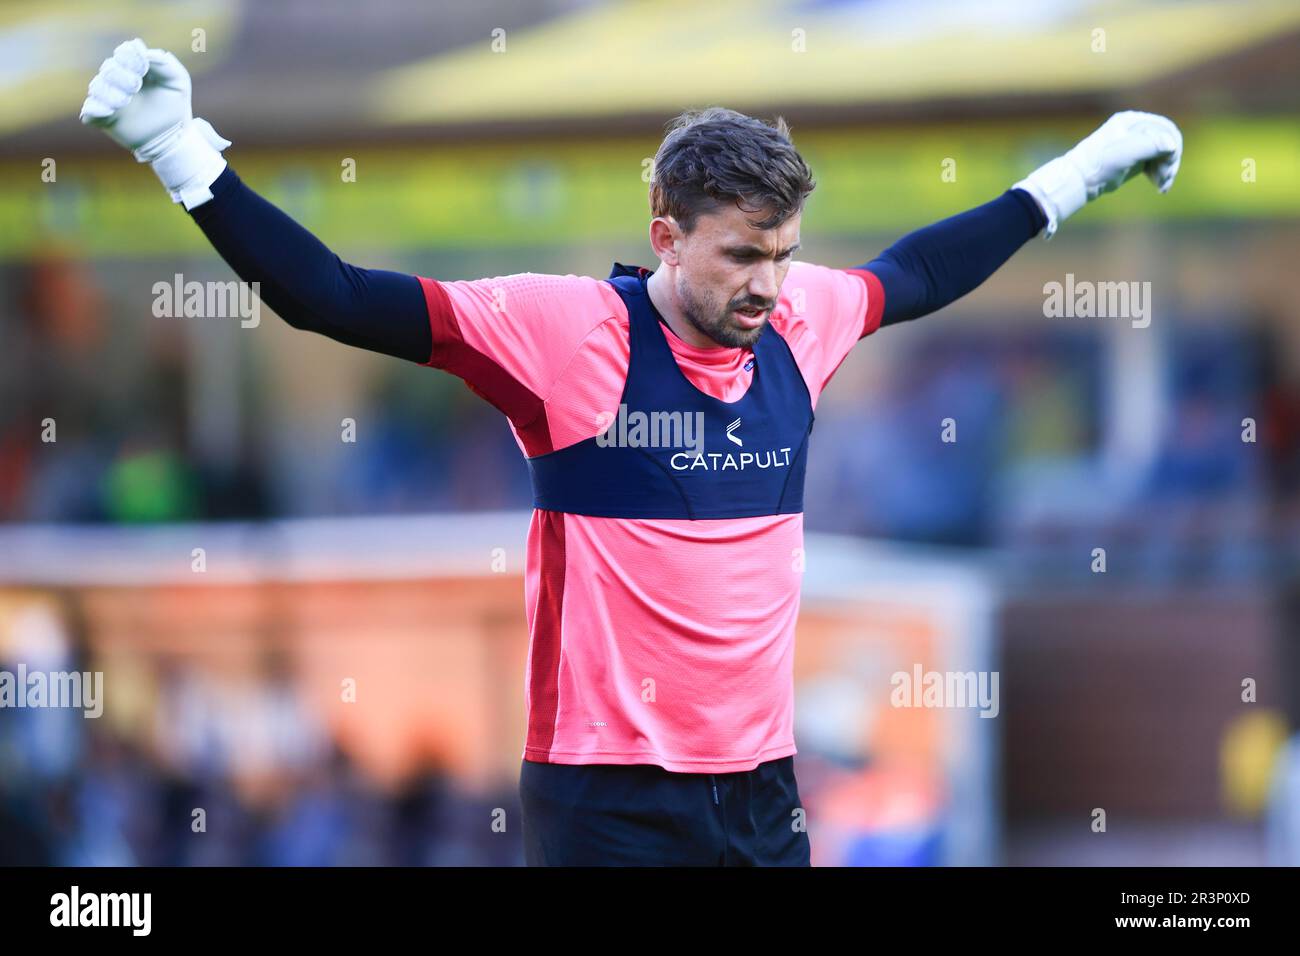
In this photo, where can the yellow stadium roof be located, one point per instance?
(321, 72)
(659, 56)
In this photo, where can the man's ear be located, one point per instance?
(665, 236)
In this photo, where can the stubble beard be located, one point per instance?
(706, 320)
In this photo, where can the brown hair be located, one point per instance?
(716, 156)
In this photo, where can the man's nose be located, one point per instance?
(763, 284)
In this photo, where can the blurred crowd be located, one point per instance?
(120, 806)
(1200, 478)
(212, 773)
(97, 424)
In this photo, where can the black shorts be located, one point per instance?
(644, 815)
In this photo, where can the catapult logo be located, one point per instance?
(75, 689)
(74, 908)
(730, 461)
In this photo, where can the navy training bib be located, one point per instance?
(672, 451)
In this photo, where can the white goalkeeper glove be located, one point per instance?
(141, 99)
(1126, 144)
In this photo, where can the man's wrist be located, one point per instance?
(187, 160)
(1059, 189)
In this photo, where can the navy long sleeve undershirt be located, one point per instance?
(940, 263)
(312, 288)
(307, 285)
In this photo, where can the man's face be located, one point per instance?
(729, 274)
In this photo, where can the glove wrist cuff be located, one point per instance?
(188, 160)
(1059, 188)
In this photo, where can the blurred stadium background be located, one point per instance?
(502, 137)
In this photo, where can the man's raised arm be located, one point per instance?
(141, 99)
(931, 267)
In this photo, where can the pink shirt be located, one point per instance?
(666, 642)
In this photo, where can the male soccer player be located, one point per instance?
(665, 417)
